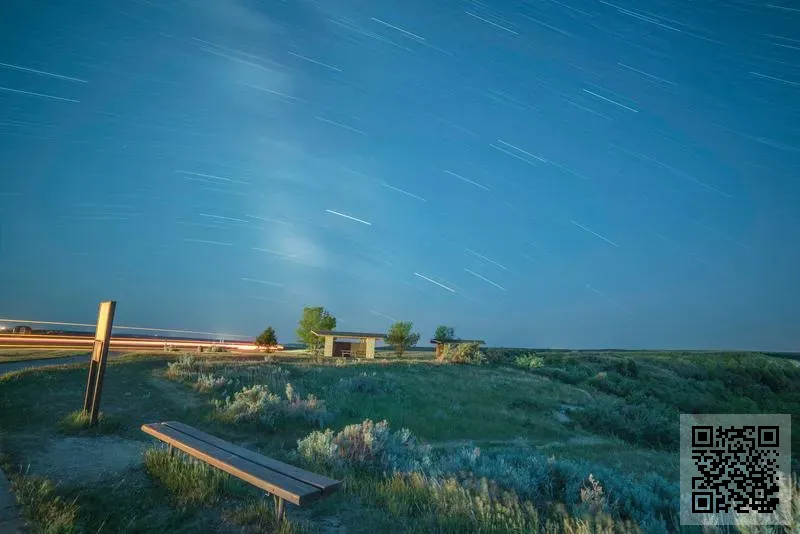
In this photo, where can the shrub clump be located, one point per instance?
(366, 445)
(627, 368)
(586, 490)
(468, 353)
(529, 361)
(639, 419)
(248, 404)
(187, 367)
(207, 383)
(309, 409)
(367, 383)
(257, 404)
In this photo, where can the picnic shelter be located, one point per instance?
(355, 343)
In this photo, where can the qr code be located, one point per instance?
(732, 465)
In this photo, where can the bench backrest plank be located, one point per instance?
(287, 488)
(324, 484)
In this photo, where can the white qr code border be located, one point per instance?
(704, 450)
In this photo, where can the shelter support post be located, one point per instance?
(370, 353)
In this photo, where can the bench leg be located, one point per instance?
(171, 451)
(279, 508)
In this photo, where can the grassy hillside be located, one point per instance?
(543, 441)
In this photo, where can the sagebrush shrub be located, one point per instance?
(592, 495)
(248, 404)
(185, 367)
(258, 404)
(366, 445)
(529, 361)
(650, 501)
(366, 383)
(206, 383)
(638, 419)
(469, 353)
(628, 368)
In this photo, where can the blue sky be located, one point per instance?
(571, 173)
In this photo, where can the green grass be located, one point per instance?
(259, 516)
(189, 481)
(612, 410)
(49, 512)
(78, 423)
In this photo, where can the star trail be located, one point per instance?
(572, 173)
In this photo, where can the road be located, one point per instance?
(28, 342)
(38, 341)
(25, 364)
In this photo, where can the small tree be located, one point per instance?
(314, 319)
(400, 336)
(444, 334)
(267, 338)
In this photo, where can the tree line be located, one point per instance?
(316, 318)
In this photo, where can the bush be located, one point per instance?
(650, 500)
(639, 419)
(207, 383)
(529, 361)
(256, 404)
(366, 383)
(309, 409)
(248, 404)
(614, 383)
(583, 488)
(468, 353)
(185, 368)
(272, 376)
(627, 368)
(366, 445)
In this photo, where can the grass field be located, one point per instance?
(508, 446)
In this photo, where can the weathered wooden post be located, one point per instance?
(97, 365)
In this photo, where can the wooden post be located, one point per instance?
(328, 346)
(369, 353)
(97, 365)
(280, 512)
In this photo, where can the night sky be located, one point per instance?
(550, 173)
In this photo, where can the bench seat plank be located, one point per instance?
(324, 484)
(290, 489)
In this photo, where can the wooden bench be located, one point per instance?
(283, 481)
